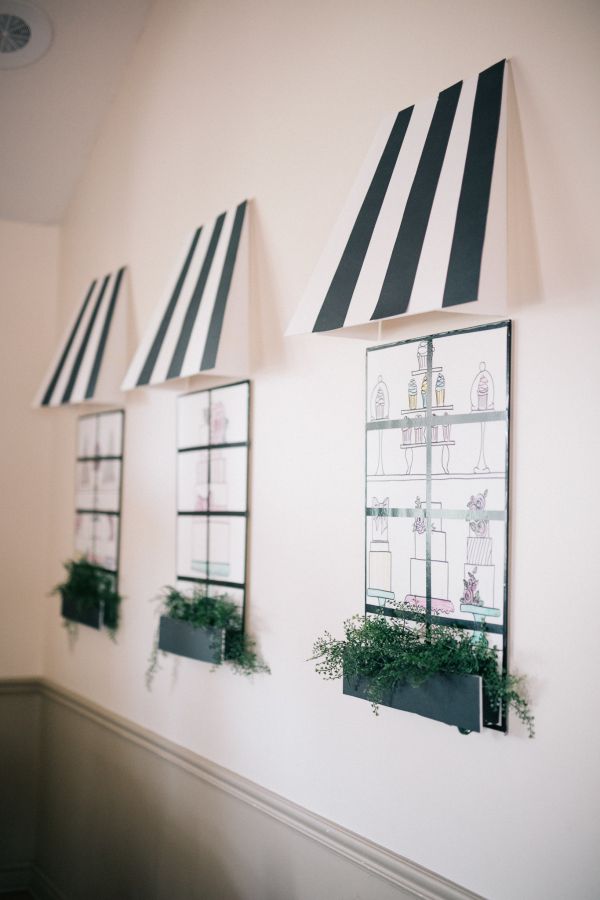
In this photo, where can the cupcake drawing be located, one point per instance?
(412, 394)
(434, 429)
(419, 432)
(424, 390)
(440, 389)
(422, 355)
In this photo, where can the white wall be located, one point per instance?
(29, 267)
(279, 101)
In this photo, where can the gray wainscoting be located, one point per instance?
(101, 808)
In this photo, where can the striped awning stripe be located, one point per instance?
(411, 236)
(184, 338)
(74, 374)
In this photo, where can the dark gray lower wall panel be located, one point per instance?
(20, 707)
(124, 813)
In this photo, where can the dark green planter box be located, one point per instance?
(88, 615)
(453, 699)
(206, 644)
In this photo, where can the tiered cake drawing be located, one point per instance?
(438, 563)
(479, 570)
(380, 557)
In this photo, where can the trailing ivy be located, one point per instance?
(202, 611)
(88, 588)
(408, 649)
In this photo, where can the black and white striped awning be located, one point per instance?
(424, 227)
(91, 357)
(201, 324)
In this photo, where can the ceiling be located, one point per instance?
(52, 109)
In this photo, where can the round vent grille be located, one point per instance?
(25, 33)
(14, 33)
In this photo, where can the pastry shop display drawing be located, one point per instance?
(437, 466)
(212, 487)
(98, 487)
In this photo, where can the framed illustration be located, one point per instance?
(212, 489)
(437, 469)
(98, 479)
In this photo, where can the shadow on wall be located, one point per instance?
(524, 275)
(112, 825)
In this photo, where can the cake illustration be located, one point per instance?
(406, 430)
(217, 491)
(201, 485)
(380, 558)
(379, 408)
(412, 394)
(218, 423)
(379, 402)
(446, 428)
(471, 589)
(213, 543)
(482, 392)
(479, 570)
(482, 399)
(422, 355)
(85, 475)
(424, 387)
(482, 389)
(438, 562)
(440, 389)
(218, 481)
(434, 429)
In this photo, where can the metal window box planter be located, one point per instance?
(452, 699)
(181, 638)
(83, 615)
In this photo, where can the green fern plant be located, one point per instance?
(408, 649)
(202, 611)
(88, 587)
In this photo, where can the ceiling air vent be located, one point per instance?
(14, 33)
(25, 33)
